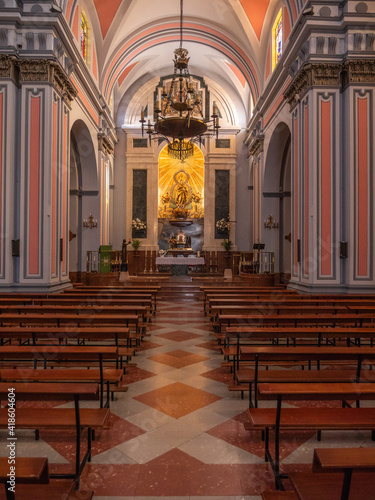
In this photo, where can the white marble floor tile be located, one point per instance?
(175, 433)
(207, 449)
(150, 419)
(144, 448)
(238, 456)
(204, 419)
(229, 410)
(126, 408)
(113, 457)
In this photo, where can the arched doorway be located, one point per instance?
(277, 198)
(84, 196)
(181, 197)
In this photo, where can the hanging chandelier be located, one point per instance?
(182, 101)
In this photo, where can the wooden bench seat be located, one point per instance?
(112, 376)
(245, 378)
(314, 486)
(27, 470)
(316, 418)
(57, 418)
(57, 489)
(312, 418)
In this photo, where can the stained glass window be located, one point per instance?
(277, 38)
(84, 37)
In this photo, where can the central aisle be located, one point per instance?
(178, 431)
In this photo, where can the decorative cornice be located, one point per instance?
(313, 75)
(37, 70)
(358, 71)
(257, 146)
(44, 70)
(8, 68)
(105, 145)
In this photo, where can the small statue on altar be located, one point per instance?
(181, 239)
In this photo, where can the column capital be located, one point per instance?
(37, 70)
(358, 71)
(311, 75)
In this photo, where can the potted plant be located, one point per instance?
(136, 244)
(227, 244)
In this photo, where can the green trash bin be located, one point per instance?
(105, 258)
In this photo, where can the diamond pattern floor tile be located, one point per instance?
(178, 359)
(177, 399)
(177, 432)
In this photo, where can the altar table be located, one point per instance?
(179, 261)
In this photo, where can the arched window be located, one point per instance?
(277, 39)
(84, 37)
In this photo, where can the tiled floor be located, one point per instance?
(178, 432)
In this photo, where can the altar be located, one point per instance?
(179, 264)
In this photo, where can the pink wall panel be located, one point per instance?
(306, 192)
(1, 171)
(64, 191)
(54, 188)
(34, 190)
(362, 187)
(326, 169)
(286, 24)
(295, 195)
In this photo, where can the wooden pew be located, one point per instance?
(124, 320)
(246, 336)
(111, 378)
(57, 418)
(310, 486)
(49, 354)
(346, 460)
(316, 418)
(51, 334)
(142, 311)
(358, 320)
(24, 470)
(259, 354)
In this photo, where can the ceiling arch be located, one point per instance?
(135, 40)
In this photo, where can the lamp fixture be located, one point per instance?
(90, 222)
(183, 130)
(271, 223)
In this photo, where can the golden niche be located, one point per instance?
(181, 186)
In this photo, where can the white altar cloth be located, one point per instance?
(179, 261)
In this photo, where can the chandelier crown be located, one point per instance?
(180, 132)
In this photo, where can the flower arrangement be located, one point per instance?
(172, 242)
(162, 252)
(138, 224)
(223, 225)
(196, 197)
(165, 198)
(180, 213)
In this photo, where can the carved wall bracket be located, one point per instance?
(257, 146)
(105, 145)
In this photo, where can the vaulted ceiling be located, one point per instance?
(228, 41)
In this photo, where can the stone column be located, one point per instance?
(40, 175)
